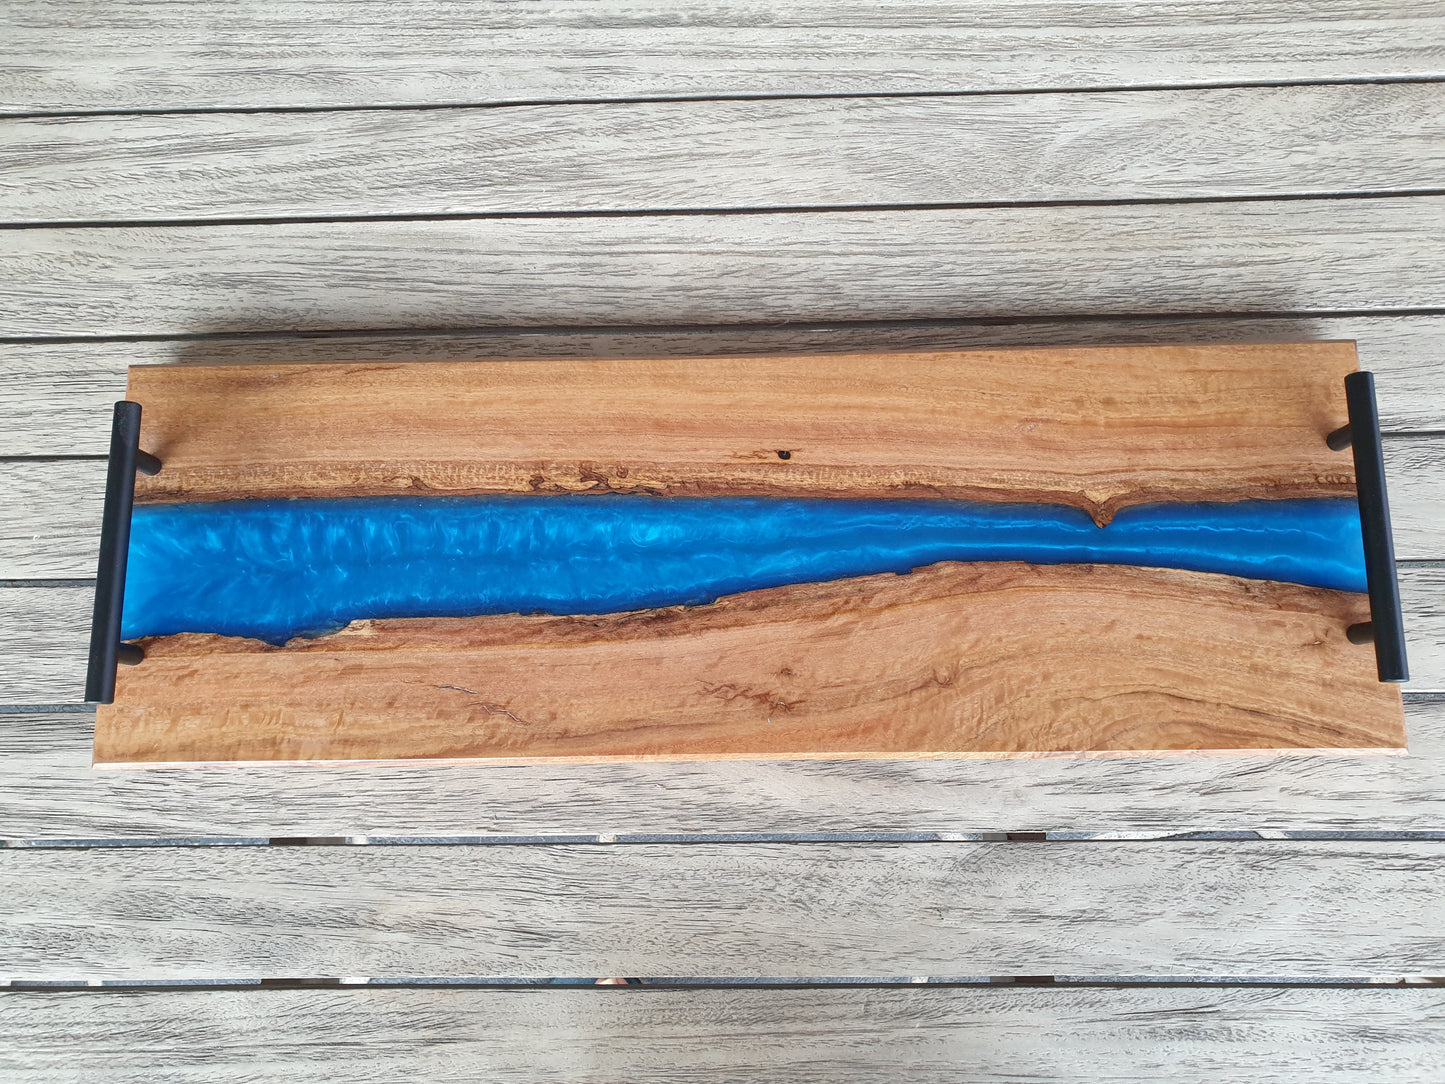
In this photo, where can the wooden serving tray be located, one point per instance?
(959, 659)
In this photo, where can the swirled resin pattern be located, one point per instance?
(275, 569)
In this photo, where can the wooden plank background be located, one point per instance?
(1296, 255)
(1358, 910)
(941, 1034)
(312, 180)
(342, 53)
(1203, 143)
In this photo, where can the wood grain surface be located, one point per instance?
(49, 792)
(65, 389)
(1330, 910)
(1226, 142)
(276, 53)
(1304, 256)
(953, 660)
(1093, 428)
(53, 529)
(45, 627)
(791, 1035)
(856, 1036)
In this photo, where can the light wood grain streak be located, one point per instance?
(270, 53)
(1310, 255)
(1141, 909)
(49, 791)
(65, 390)
(52, 530)
(1257, 141)
(849, 1036)
(44, 632)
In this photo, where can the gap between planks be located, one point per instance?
(721, 211)
(698, 839)
(679, 983)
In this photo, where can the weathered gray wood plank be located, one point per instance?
(1162, 909)
(44, 632)
(268, 53)
(64, 391)
(982, 1034)
(48, 791)
(1306, 255)
(53, 528)
(1415, 480)
(1253, 141)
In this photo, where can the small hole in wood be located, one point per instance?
(1362, 633)
(784, 454)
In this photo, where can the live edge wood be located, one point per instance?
(1097, 428)
(954, 660)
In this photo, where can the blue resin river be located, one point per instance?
(274, 569)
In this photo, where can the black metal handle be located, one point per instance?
(126, 458)
(1387, 625)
